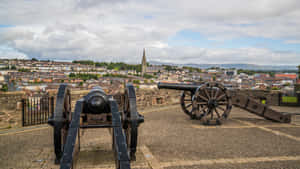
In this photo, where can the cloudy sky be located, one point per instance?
(177, 31)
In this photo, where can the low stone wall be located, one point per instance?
(10, 100)
(11, 103)
(11, 107)
(154, 97)
(144, 97)
(75, 95)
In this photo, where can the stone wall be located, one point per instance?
(11, 107)
(154, 97)
(10, 100)
(145, 97)
(75, 95)
(11, 103)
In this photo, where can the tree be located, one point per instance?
(84, 62)
(13, 67)
(272, 74)
(23, 70)
(136, 81)
(147, 76)
(169, 68)
(192, 69)
(71, 75)
(4, 88)
(34, 59)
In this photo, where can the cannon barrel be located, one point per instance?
(178, 86)
(96, 101)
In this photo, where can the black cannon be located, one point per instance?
(212, 102)
(209, 102)
(95, 110)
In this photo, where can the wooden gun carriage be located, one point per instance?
(95, 110)
(212, 102)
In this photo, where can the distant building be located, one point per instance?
(144, 63)
(291, 76)
(155, 69)
(261, 75)
(2, 78)
(212, 71)
(230, 72)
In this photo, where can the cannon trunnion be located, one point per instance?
(95, 110)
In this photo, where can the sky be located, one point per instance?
(264, 32)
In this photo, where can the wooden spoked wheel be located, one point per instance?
(62, 119)
(212, 103)
(186, 103)
(130, 120)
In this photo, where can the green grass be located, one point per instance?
(289, 99)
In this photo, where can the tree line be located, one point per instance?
(111, 65)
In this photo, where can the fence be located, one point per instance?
(37, 110)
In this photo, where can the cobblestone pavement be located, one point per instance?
(169, 139)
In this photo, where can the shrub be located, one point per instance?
(136, 81)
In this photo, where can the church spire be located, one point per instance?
(144, 63)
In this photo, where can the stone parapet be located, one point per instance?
(11, 100)
(153, 97)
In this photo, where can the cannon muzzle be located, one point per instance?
(178, 86)
(96, 101)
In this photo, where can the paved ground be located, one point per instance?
(169, 139)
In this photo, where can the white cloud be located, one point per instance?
(196, 55)
(117, 30)
(293, 41)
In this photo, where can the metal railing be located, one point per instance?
(37, 110)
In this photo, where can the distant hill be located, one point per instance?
(236, 66)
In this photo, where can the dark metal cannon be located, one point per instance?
(212, 102)
(95, 110)
(209, 102)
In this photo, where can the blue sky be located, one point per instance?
(5, 26)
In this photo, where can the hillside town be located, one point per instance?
(38, 75)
